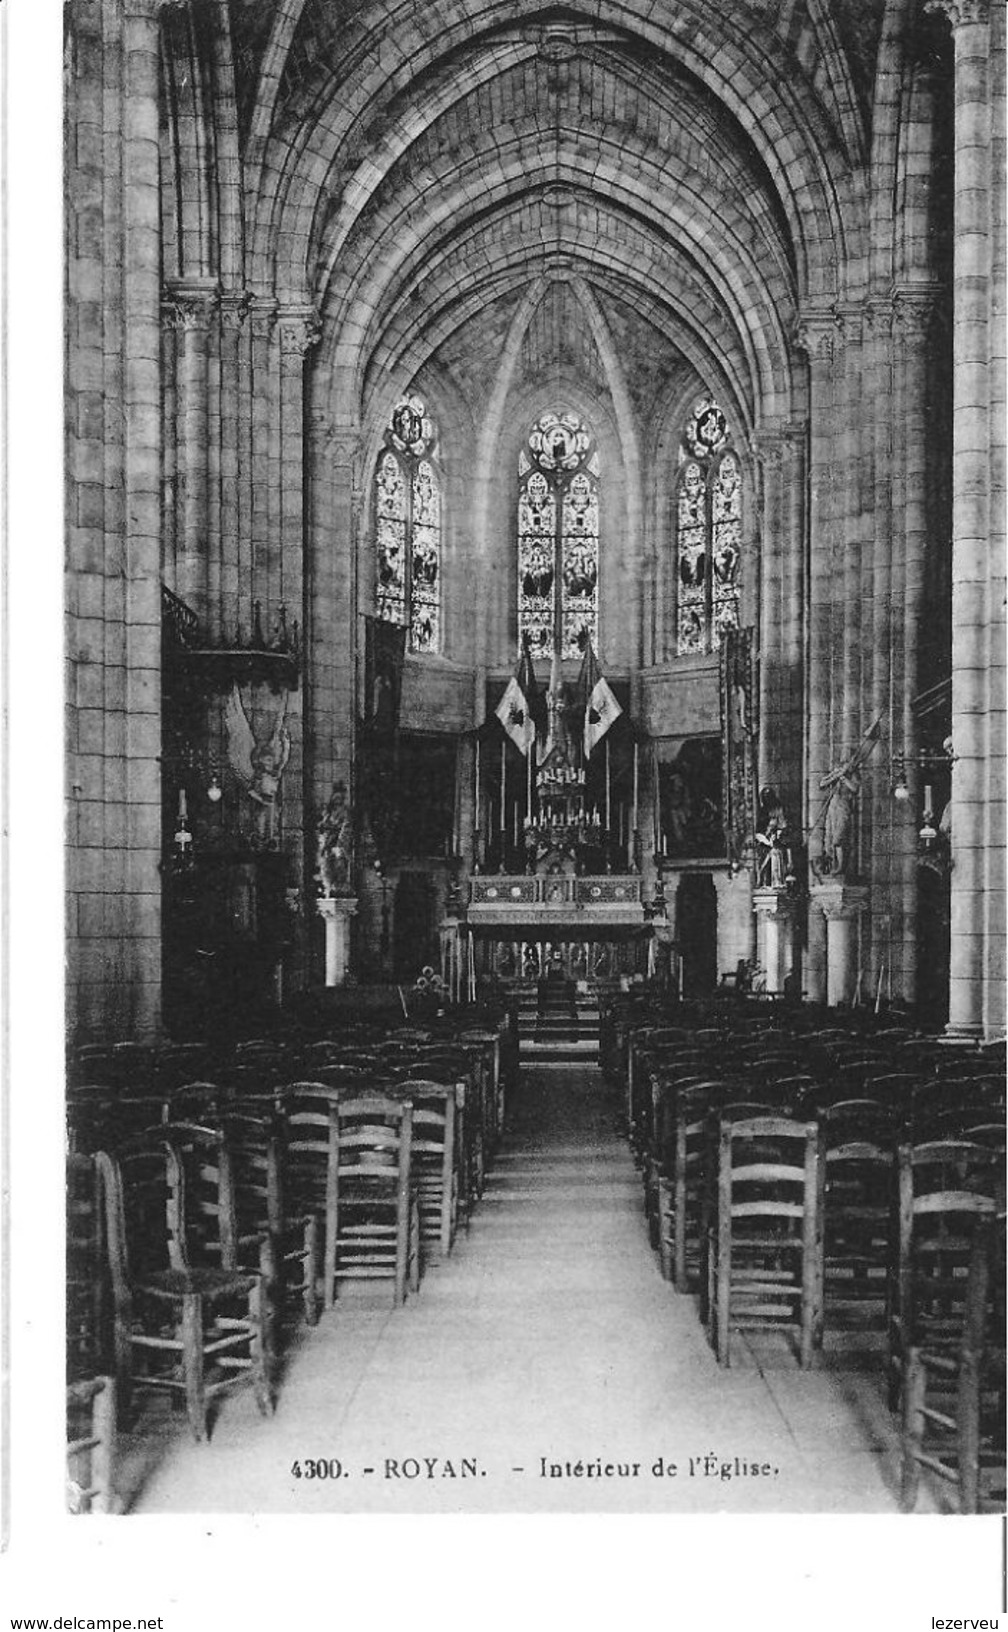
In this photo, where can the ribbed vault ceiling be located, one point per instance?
(411, 169)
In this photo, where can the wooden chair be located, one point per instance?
(763, 1244)
(90, 1396)
(942, 1188)
(682, 1129)
(435, 1154)
(305, 1173)
(373, 1214)
(194, 1331)
(858, 1137)
(954, 1395)
(293, 1265)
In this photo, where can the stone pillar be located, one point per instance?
(819, 335)
(299, 331)
(189, 309)
(233, 314)
(913, 330)
(775, 912)
(842, 906)
(135, 971)
(768, 452)
(336, 914)
(255, 582)
(876, 805)
(971, 652)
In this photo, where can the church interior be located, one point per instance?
(535, 648)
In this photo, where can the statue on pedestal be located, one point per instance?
(838, 828)
(773, 858)
(334, 846)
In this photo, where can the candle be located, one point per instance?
(182, 807)
(476, 803)
(503, 813)
(608, 788)
(636, 772)
(927, 798)
(516, 824)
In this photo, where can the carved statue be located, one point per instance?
(773, 859)
(257, 766)
(838, 828)
(334, 846)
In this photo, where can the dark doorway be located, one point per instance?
(415, 936)
(696, 929)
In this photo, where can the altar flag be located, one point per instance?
(516, 707)
(601, 707)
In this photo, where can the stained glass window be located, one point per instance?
(708, 528)
(558, 536)
(408, 526)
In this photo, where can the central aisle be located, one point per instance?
(548, 1341)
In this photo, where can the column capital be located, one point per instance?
(189, 303)
(767, 447)
(148, 11)
(960, 13)
(914, 310)
(300, 329)
(838, 901)
(850, 316)
(819, 332)
(262, 316)
(234, 308)
(878, 314)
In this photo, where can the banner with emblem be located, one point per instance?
(740, 741)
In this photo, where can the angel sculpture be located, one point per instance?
(257, 766)
(334, 845)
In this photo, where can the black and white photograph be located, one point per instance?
(532, 998)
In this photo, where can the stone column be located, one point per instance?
(299, 330)
(233, 314)
(135, 1004)
(336, 915)
(255, 583)
(971, 654)
(189, 308)
(876, 804)
(775, 912)
(791, 705)
(842, 906)
(819, 335)
(768, 451)
(913, 329)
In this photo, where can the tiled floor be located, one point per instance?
(546, 1344)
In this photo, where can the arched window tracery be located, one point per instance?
(708, 531)
(408, 519)
(558, 536)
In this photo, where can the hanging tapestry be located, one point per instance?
(739, 735)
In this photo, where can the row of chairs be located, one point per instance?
(207, 1208)
(805, 1187)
